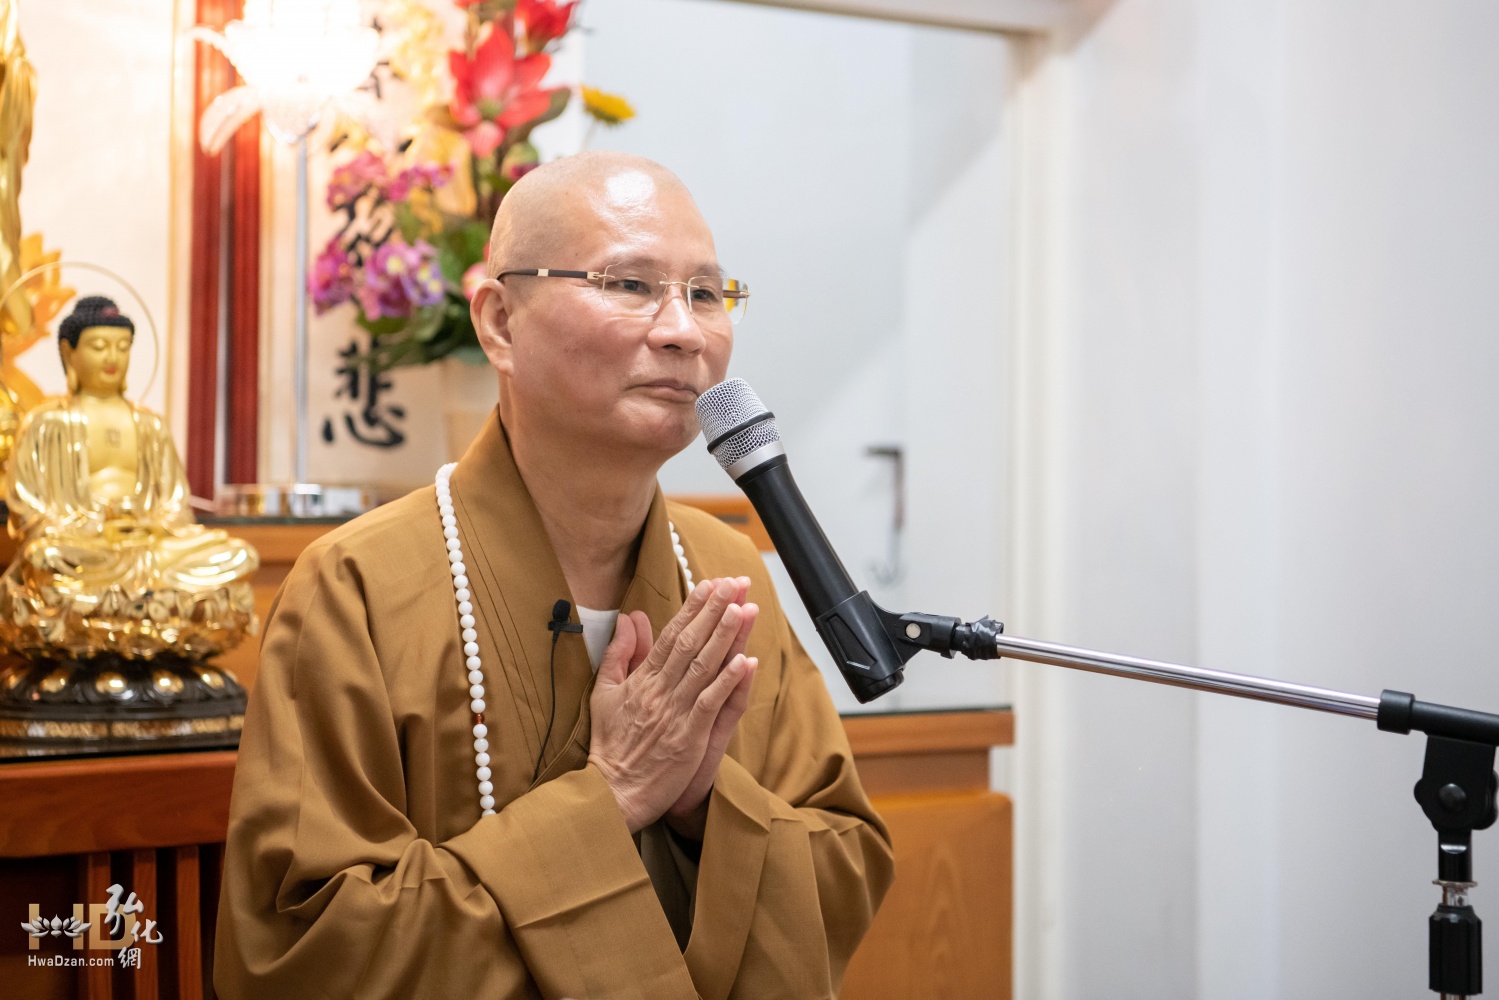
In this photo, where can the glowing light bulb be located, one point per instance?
(295, 56)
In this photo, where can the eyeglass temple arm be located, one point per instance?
(550, 272)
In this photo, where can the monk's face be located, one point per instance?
(101, 359)
(572, 362)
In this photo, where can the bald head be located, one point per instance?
(547, 210)
(582, 370)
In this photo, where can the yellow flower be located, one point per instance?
(611, 109)
(415, 46)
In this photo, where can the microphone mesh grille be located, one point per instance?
(746, 441)
(729, 404)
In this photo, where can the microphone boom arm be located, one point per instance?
(1457, 790)
(1392, 711)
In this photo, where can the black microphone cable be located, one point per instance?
(561, 611)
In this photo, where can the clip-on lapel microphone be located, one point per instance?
(561, 611)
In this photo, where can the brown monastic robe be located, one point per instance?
(357, 862)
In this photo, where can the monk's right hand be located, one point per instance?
(654, 703)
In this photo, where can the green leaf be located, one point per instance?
(435, 332)
(426, 323)
(407, 223)
(522, 133)
(384, 356)
(518, 155)
(457, 334)
(450, 264)
(473, 237)
(383, 327)
(492, 179)
(459, 247)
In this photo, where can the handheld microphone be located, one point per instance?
(742, 435)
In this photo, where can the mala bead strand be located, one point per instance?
(467, 625)
(676, 546)
(470, 637)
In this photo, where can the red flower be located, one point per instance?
(494, 91)
(542, 21)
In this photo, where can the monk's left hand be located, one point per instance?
(688, 816)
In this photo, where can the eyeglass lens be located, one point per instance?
(640, 291)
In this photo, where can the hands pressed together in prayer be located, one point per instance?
(663, 711)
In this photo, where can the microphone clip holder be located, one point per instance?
(872, 645)
(914, 631)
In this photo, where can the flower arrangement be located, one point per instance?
(416, 214)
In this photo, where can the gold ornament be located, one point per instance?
(17, 99)
(23, 318)
(10, 421)
(41, 285)
(166, 682)
(110, 559)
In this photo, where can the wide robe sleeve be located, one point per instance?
(795, 861)
(330, 892)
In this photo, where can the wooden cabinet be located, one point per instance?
(944, 930)
(156, 825)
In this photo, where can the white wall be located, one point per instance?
(857, 174)
(1260, 366)
(1105, 800)
(98, 182)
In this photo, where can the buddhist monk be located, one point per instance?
(446, 788)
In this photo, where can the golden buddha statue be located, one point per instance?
(110, 559)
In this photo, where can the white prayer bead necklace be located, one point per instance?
(466, 623)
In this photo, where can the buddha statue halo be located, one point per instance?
(109, 557)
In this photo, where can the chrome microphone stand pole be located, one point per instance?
(1197, 678)
(1456, 791)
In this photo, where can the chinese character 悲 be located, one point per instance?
(375, 423)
